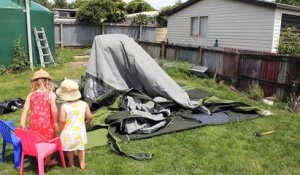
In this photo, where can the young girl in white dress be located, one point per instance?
(73, 113)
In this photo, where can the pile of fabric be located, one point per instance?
(12, 105)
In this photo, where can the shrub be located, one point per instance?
(20, 60)
(289, 42)
(2, 69)
(98, 11)
(142, 19)
(255, 91)
(136, 6)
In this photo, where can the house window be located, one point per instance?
(195, 26)
(199, 26)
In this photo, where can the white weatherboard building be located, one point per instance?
(241, 24)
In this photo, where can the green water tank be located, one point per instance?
(13, 26)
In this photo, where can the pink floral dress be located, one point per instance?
(40, 116)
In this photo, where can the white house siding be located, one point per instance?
(235, 25)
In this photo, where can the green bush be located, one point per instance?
(142, 19)
(2, 69)
(289, 42)
(162, 17)
(136, 6)
(98, 11)
(20, 60)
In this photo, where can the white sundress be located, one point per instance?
(73, 135)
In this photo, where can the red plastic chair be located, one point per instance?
(34, 144)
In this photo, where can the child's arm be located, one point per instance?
(88, 115)
(62, 118)
(25, 111)
(53, 110)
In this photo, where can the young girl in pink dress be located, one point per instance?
(43, 110)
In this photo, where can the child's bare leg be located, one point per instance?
(49, 162)
(81, 157)
(70, 155)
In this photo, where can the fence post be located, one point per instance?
(236, 69)
(199, 55)
(102, 29)
(140, 32)
(61, 35)
(282, 78)
(163, 50)
(176, 53)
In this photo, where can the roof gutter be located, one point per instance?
(288, 7)
(272, 5)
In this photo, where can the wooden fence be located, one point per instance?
(239, 67)
(78, 35)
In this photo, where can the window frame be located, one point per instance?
(198, 32)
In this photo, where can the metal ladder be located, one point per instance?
(43, 47)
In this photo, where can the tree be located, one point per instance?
(162, 17)
(61, 4)
(98, 11)
(290, 2)
(142, 19)
(44, 3)
(118, 12)
(77, 3)
(136, 6)
(289, 42)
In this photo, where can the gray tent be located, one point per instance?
(118, 62)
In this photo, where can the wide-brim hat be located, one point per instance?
(41, 74)
(68, 90)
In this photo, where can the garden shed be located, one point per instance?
(13, 26)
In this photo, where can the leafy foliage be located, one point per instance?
(20, 60)
(290, 2)
(162, 17)
(142, 19)
(136, 6)
(44, 3)
(77, 3)
(289, 42)
(61, 4)
(2, 69)
(98, 11)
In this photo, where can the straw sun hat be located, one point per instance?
(68, 90)
(41, 74)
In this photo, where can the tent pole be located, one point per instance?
(29, 33)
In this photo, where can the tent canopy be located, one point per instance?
(118, 62)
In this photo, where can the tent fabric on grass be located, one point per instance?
(135, 99)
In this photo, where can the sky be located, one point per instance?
(157, 4)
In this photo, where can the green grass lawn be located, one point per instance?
(223, 149)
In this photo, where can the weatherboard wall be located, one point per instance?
(235, 25)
